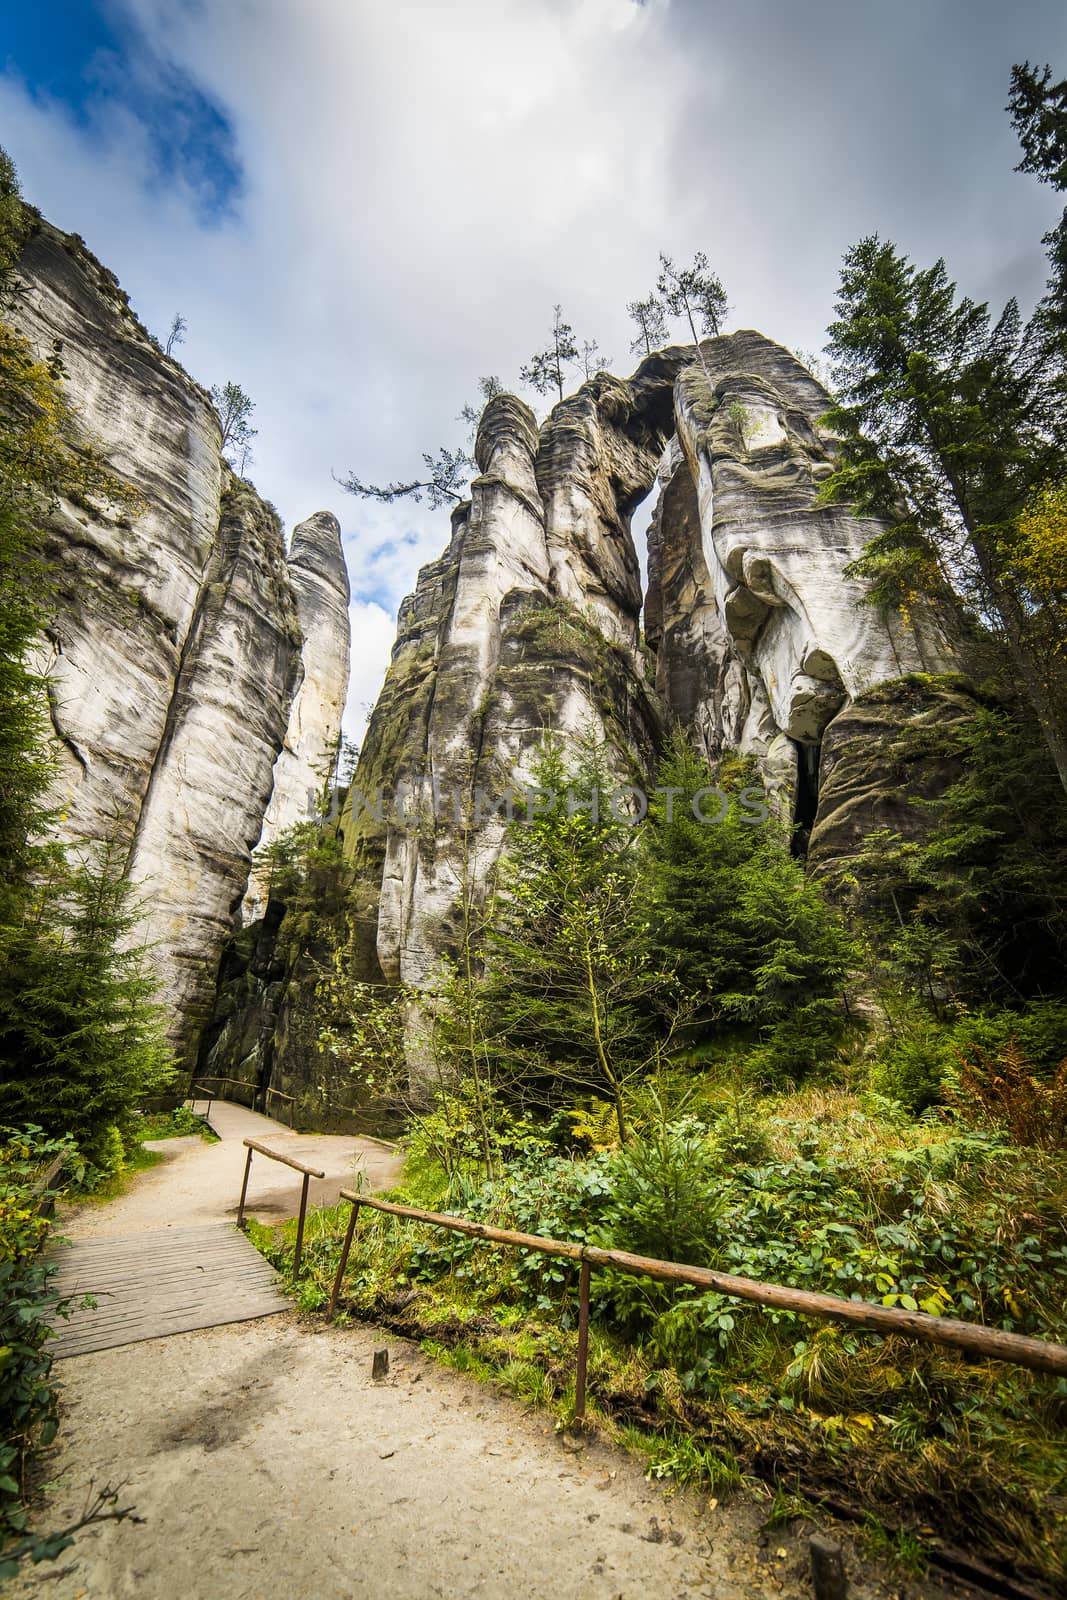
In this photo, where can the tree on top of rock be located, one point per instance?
(545, 370)
(651, 321)
(445, 480)
(235, 410)
(488, 387)
(592, 360)
(176, 336)
(695, 293)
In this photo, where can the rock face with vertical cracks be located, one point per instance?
(755, 640)
(528, 624)
(175, 648)
(305, 764)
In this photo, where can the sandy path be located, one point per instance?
(199, 1182)
(269, 1466)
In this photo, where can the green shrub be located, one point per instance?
(667, 1193)
(911, 1069)
(1040, 1031)
(28, 1307)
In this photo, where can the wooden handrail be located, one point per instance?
(1039, 1355)
(294, 1100)
(297, 1166)
(43, 1191)
(275, 1155)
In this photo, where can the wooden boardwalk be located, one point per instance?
(148, 1285)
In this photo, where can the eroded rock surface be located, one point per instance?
(176, 646)
(755, 640)
(527, 624)
(305, 764)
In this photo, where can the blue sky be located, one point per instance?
(360, 207)
(91, 54)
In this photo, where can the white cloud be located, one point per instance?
(424, 180)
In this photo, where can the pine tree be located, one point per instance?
(176, 336)
(445, 482)
(545, 370)
(235, 410)
(592, 360)
(651, 322)
(695, 293)
(732, 914)
(950, 422)
(488, 389)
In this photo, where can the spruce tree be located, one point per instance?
(950, 424)
(751, 940)
(1038, 108)
(80, 1035)
(570, 995)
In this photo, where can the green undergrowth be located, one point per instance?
(818, 1190)
(177, 1124)
(28, 1311)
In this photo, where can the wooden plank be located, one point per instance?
(150, 1285)
(287, 1161)
(1039, 1355)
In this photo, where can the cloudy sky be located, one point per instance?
(361, 207)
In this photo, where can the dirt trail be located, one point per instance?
(199, 1182)
(268, 1465)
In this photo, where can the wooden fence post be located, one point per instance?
(244, 1190)
(300, 1225)
(343, 1263)
(583, 1343)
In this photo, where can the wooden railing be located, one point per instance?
(1040, 1355)
(201, 1088)
(208, 1095)
(212, 1094)
(278, 1095)
(254, 1092)
(297, 1166)
(43, 1189)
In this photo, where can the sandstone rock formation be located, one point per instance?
(306, 762)
(528, 623)
(176, 645)
(531, 620)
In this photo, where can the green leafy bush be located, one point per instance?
(911, 1068)
(667, 1193)
(28, 1307)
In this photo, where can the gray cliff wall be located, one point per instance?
(175, 649)
(528, 624)
(531, 621)
(308, 757)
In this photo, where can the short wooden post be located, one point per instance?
(244, 1190)
(343, 1263)
(583, 1343)
(300, 1225)
(827, 1568)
